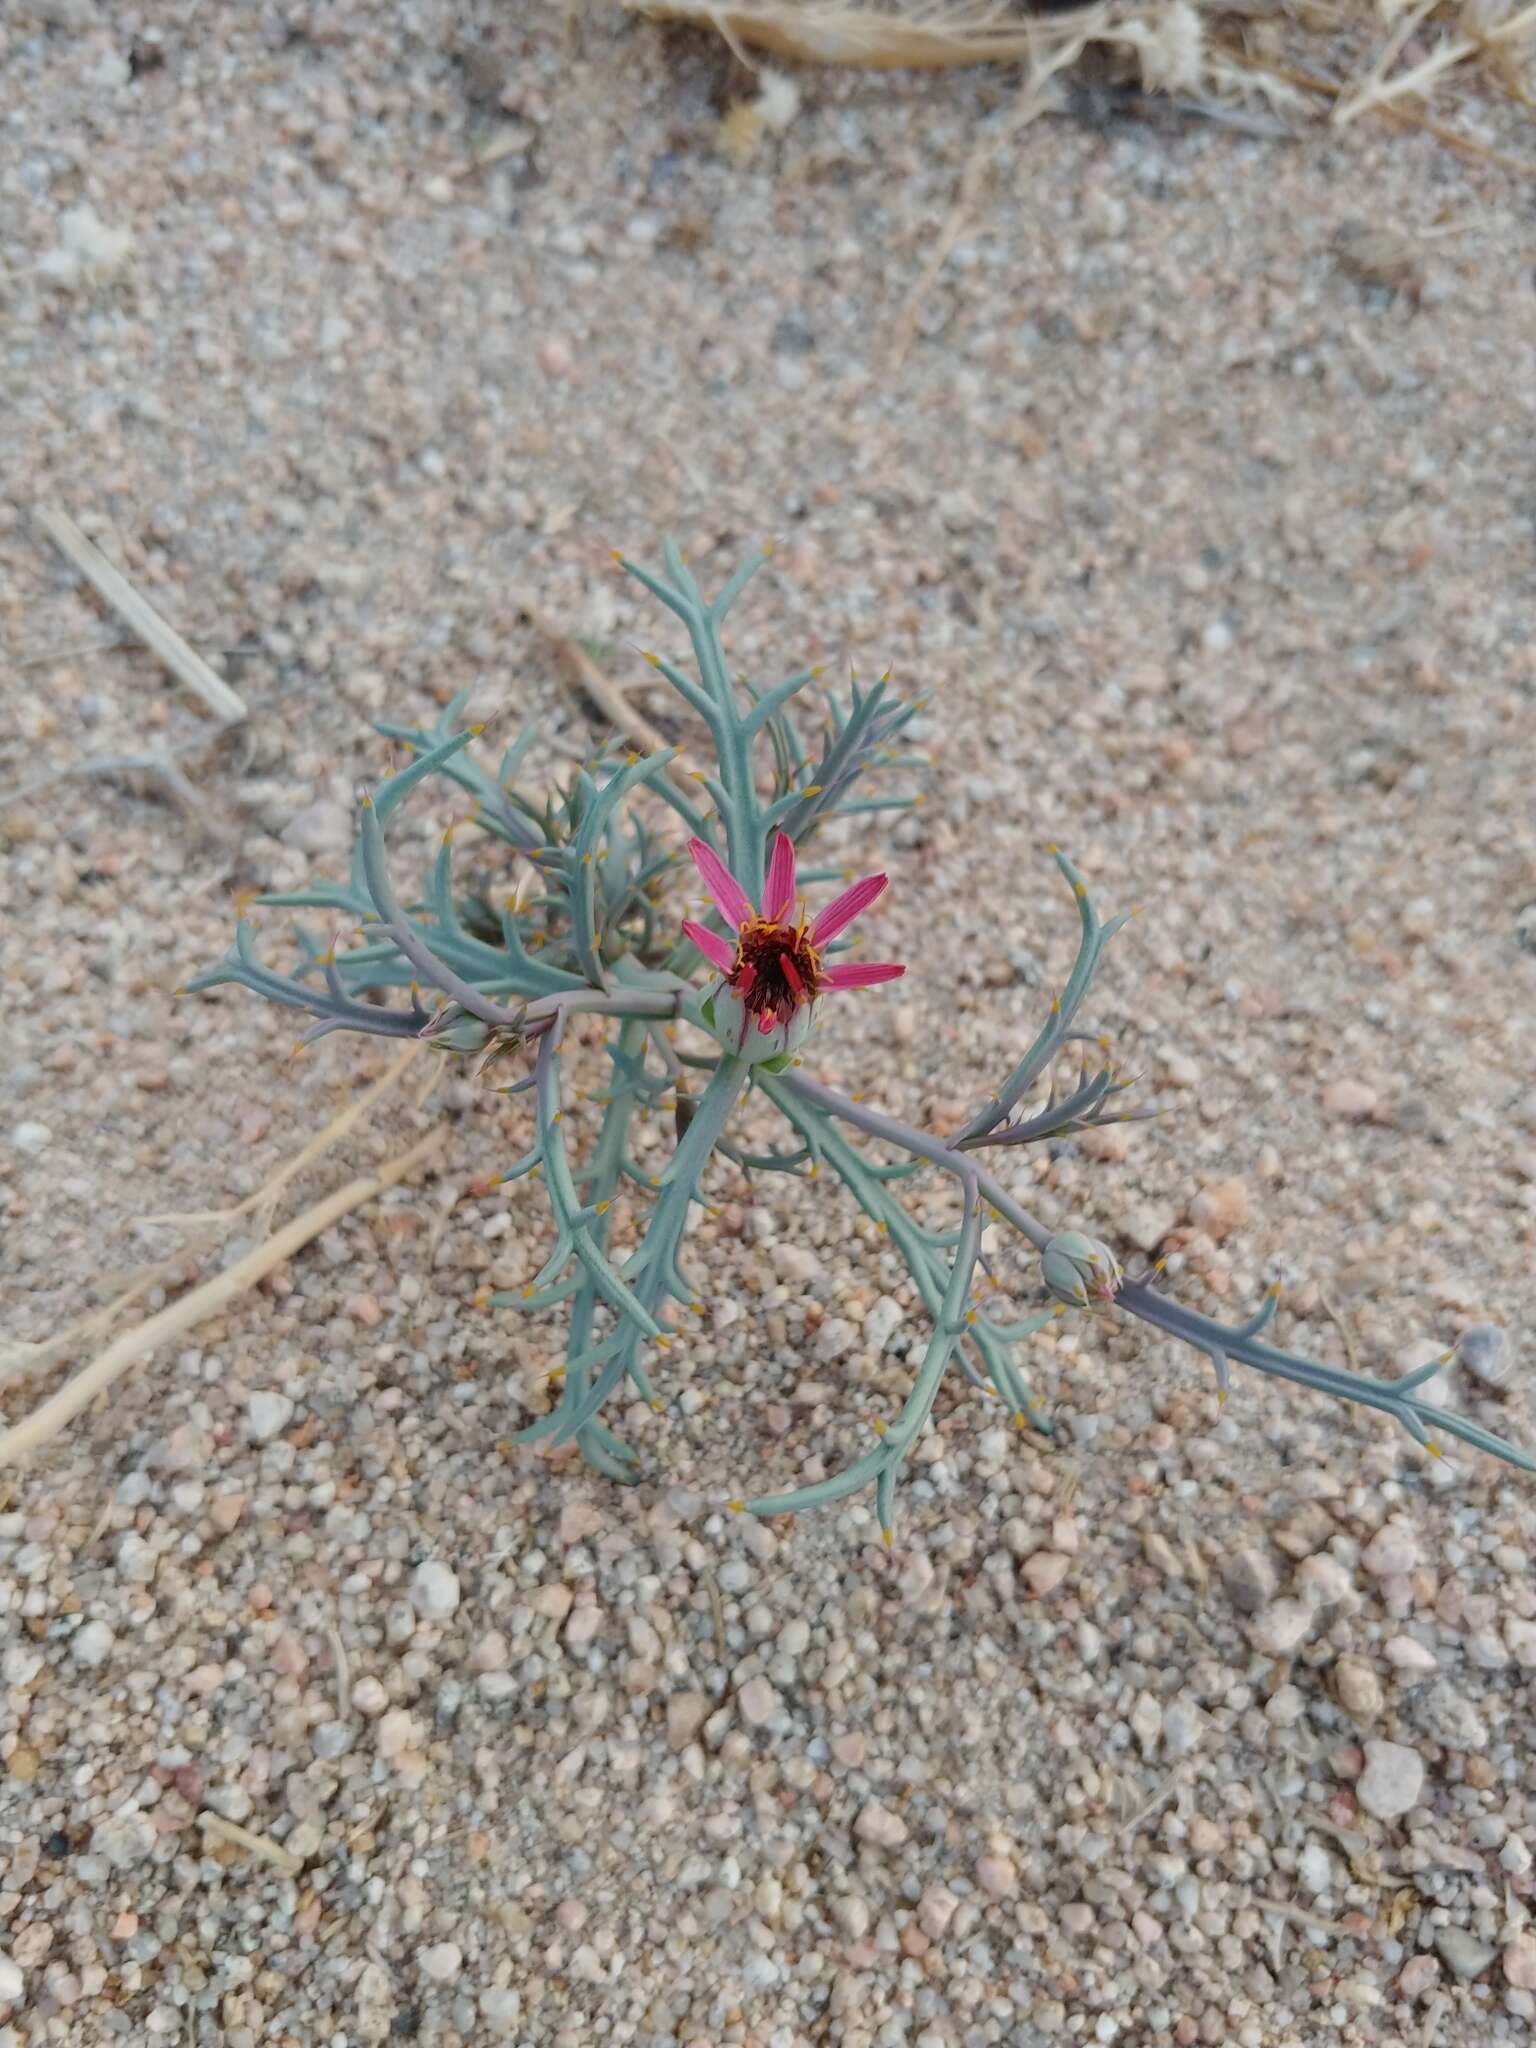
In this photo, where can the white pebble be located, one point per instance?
(916, 1577)
(31, 1139)
(852, 1915)
(884, 1318)
(442, 1962)
(1044, 1572)
(1466, 1956)
(835, 1339)
(758, 1702)
(12, 1982)
(434, 1590)
(1349, 1098)
(267, 1415)
(1322, 1581)
(794, 1262)
(92, 1644)
(399, 1732)
(881, 1828)
(1408, 1654)
(1392, 1780)
(500, 2007)
(1280, 1627)
(1484, 1352)
(319, 828)
(1391, 1552)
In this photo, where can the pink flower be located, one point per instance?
(773, 971)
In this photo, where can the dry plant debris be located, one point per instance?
(1218, 54)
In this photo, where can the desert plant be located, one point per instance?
(587, 935)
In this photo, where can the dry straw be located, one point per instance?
(1384, 57)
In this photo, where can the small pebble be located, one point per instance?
(1520, 1961)
(1282, 1627)
(935, 1909)
(835, 1339)
(1044, 1572)
(31, 1139)
(1249, 1579)
(851, 1914)
(1463, 1954)
(267, 1415)
(686, 1714)
(1391, 1552)
(1417, 1976)
(1220, 1209)
(1406, 1653)
(1448, 1717)
(434, 1590)
(758, 1702)
(1351, 1099)
(1323, 1582)
(91, 1644)
(442, 1962)
(13, 1982)
(1484, 1352)
(879, 1827)
(1392, 1781)
(1360, 1691)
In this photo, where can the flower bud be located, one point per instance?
(1078, 1269)
(738, 1030)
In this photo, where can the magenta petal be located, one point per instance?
(779, 895)
(842, 910)
(861, 973)
(730, 898)
(721, 951)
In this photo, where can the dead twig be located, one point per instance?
(854, 35)
(1407, 117)
(46, 1421)
(159, 767)
(261, 1846)
(1342, 1327)
(1303, 1916)
(1358, 95)
(18, 1358)
(1029, 105)
(606, 694)
(717, 1615)
(141, 618)
(342, 1671)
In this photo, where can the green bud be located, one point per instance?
(1079, 1269)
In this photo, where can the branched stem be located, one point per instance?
(511, 964)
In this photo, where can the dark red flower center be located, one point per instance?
(777, 969)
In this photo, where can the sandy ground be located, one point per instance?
(1217, 566)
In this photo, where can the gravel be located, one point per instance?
(1393, 1779)
(1214, 564)
(434, 1590)
(268, 1415)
